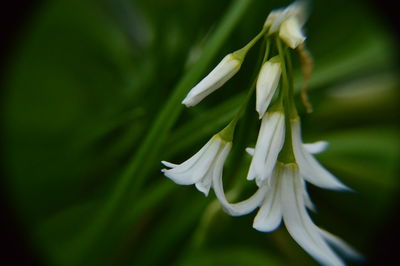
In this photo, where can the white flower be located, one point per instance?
(272, 19)
(291, 33)
(202, 166)
(285, 197)
(247, 206)
(269, 143)
(288, 22)
(267, 82)
(310, 169)
(289, 192)
(226, 69)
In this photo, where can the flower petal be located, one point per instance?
(216, 169)
(297, 9)
(341, 246)
(168, 164)
(273, 16)
(310, 168)
(290, 32)
(316, 147)
(269, 216)
(204, 184)
(194, 169)
(246, 206)
(192, 160)
(240, 208)
(297, 221)
(226, 69)
(250, 151)
(307, 200)
(269, 143)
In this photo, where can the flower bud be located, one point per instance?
(267, 82)
(290, 32)
(226, 69)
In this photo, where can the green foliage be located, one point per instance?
(92, 105)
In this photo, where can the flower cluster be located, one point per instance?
(281, 163)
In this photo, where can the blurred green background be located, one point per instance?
(92, 105)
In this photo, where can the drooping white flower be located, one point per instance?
(269, 143)
(267, 82)
(226, 69)
(297, 220)
(285, 198)
(310, 169)
(288, 22)
(313, 148)
(202, 166)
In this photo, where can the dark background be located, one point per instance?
(15, 249)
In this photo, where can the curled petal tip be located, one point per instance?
(342, 247)
(316, 147)
(250, 151)
(250, 177)
(168, 164)
(345, 188)
(202, 189)
(265, 229)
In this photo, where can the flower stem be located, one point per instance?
(254, 80)
(241, 53)
(228, 132)
(287, 95)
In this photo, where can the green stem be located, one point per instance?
(129, 183)
(241, 53)
(228, 131)
(293, 109)
(286, 155)
(285, 79)
(267, 49)
(254, 82)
